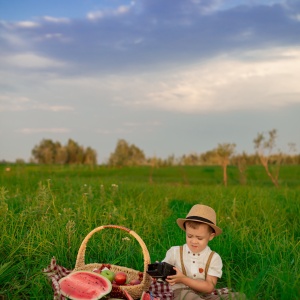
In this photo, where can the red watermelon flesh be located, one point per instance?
(147, 296)
(84, 285)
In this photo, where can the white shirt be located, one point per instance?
(194, 263)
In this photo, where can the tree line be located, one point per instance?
(49, 152)
(125, 154)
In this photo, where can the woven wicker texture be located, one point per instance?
(135, 291)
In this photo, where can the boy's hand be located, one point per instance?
(172, 279)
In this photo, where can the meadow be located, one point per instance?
(47, 211)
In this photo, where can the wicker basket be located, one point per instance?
(135, 291)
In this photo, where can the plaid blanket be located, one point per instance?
(55, 272)
(161, 290)
(157, 289)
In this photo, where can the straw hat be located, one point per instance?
(202, 214)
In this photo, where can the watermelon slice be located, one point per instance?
(84, 285)
(147, 296)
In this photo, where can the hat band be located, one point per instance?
(200, 219)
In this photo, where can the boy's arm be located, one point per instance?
(199, 285)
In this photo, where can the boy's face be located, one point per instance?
(198, 238)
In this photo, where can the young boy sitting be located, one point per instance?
(197, 266)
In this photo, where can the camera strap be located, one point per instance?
(206, 266)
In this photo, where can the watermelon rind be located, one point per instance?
(84, 285)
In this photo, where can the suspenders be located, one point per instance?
(206, 266)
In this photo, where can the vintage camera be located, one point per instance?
(160, 270)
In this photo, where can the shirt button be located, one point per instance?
(189, 252)
(193, 262)
(194, 275)
(194, 254)
(198, 254)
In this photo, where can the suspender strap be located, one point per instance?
(208, 262)
(181, 259)
(206, 266)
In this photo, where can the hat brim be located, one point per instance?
(181, 222)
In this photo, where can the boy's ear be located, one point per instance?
(212, 235)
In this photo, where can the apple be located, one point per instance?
(110, 275)
(134, 282)
(120, 278)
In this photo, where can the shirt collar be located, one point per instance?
(190, 253)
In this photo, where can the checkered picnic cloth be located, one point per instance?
(157, 289)
(162, 290)
(55, 272)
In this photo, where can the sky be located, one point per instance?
(172, 77)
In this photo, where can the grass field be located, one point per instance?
(47, 211)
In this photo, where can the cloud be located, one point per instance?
(13, 103)
(53, 108)
(27, 24)
(43, 130)
(31, 61)
(22, 103)
(232, 82)
(149, 34)
(56, 20)
(100, 14)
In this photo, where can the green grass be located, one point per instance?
(47, 211)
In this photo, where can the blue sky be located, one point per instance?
(170, 76)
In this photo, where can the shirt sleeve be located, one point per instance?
(215, 267)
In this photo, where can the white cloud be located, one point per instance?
(251, 80)
(13, 103)
(53, 108)
(231, 83)
(56, 20)
(43, 130)
(27, 24)
(142, 124)
(31, 61)
(22, 103)
(13, 40)
(99, 14)
(296, 17)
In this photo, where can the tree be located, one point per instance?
(61, 156)
(126, 155)
(264, 147)
(75, 152)
(48, 152)
(44, 153)
(90, 157)
(240, 161)
(208, 158)
(223, 154)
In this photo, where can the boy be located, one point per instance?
(197, 266)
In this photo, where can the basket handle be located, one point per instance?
(80, 261)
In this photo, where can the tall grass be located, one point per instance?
(47, 211)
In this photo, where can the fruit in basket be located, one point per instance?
(86, 285)
(120, 278)
(110, 275)
(134, 282)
